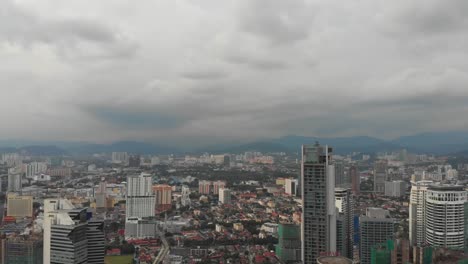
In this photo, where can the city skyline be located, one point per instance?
(205, 71)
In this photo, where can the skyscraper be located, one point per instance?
(290, 186)
(318, 230)
(355, 179)
(339, 174)
(24, 249)
(96, 241)
(217, 185)
(14, 180)
(345, 226)
(417, 213)
(140, 198)
(376, 228)
(445, 216)
(204, 187)
(380, 176)
(185, 199)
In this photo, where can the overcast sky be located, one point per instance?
(198, 71)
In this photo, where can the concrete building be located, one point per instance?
(218, 185)
(291, 186)
(204, 187)
(23, 250)
(417, 213)
(12, 159)
(141, 201)
(14, 180)
(120, 157)
(34, 168)
(318, 230)
(163, 194)
(355, 179)
(68, 235)
(345, 225)
(101, 195)
(19, 206)
(340, 174)
(375, 228)
(445, 216)
(224, 196)
(288, 248)
(395, 188)
(140, 228)
(185, 199)
(380, 176)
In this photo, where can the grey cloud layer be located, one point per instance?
(197, 71)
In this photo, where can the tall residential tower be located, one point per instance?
(318, 230)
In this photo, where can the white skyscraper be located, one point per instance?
(185, 199)
(34, 168)
(140, 198)
(445, 216)
(345, 225)
(417, 214)
(120, 157)
(318, 226)
(395, 188)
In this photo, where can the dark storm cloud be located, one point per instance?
(197, 71)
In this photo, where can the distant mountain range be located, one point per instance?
(433, 143)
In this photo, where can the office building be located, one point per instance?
(395, 188)
(141, 201)
(204, 187)
(445, 216)
(417, 213)
(185, 199)
(96, 241)
(291, 186)
(163, 194)
(218, 185)
(19, 206)
(224, 196)
(101, 195)
(375, 228)
(318, 226)
(120, 158)
(380, 176)
(355, 179)
(14, 180)
(23, 249)
(345, 226)
(288, 248)
(68, 235)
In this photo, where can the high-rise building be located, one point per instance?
(34, 168)
(290, 186)
(134, 161)
(380, 176)
(445, 216)
(96, 241)
(120, 157)
(204, 187)
(339, 174)
(101, 195)
(140, 228)
(217, 185)
(163, 194)
(288, 248)
(417, 213)
(318, 226)
(395, 188)
(14, 180)
(19, 206)
(24, 249)
(224, 196)
(68, 235)
(375, 228)
(185, 199)
(401, 251)
(12, 159)
(345, 225)
(355, 179)
(140, 198)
